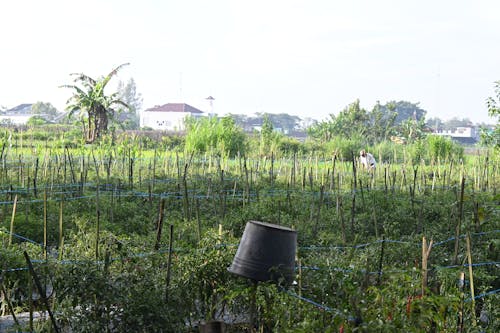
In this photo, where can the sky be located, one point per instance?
(308, 58)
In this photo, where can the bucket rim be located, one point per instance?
(271, 225)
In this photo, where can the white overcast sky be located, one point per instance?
(307, 58)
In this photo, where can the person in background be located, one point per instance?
(367, 160)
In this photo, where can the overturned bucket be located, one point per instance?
(266, 253)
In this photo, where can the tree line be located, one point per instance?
(97, 111)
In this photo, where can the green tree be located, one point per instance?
(435, 124)
(128, 94)
(47, 110)
(284, 121)
(492, 137)
(269, 139)
(381, 123)
(454, 122)
(267, 129)
(412, 130)
(93, 105)
(405, 111)
(352, 121)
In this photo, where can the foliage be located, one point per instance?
(45, 110)
(443, 148)
(269, 138)
(94, 106)
(412, 130)
(359, 239)
(212, 134)
(129, 95)
(381, 123)
(404, 110)
(346, 148)
(492, 138)
(289, 146)
(283, 121)
(36, 121)
(403, 118)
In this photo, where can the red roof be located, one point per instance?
(174, 107)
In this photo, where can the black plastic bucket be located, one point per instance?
(266, 253)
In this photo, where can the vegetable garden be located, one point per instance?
(125, 238)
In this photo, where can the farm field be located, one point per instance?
(131, 239)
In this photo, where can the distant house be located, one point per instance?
(18, 115)
(168, 117)
(463, 135)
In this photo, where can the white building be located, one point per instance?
(461, 132)
(168, 117)
(18, 115)
(463, 135)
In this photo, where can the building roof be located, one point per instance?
(21, 109)
(174, 107)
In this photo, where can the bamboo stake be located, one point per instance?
(198, 219)
(159, 225)
(381, 261)
(169, 262)
(187, 214)
(45, 224)
(426, 251)
(61, 236)
(98, 211)
(459, 222)
(471, 279)
(12, 220)
(460, 320)
(34, 178)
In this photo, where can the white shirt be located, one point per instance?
(368, 161)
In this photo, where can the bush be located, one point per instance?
(222, 135)
(345, 148)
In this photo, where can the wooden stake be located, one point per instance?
(169, 262)
(459, 222)
(159, 225)
(461, 284)
(12, 220)
(426, 251)
(45, 224)
(471, 279)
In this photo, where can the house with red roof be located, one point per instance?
(168, 117)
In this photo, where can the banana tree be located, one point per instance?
(92, 104)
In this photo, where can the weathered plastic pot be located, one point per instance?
(266, 253)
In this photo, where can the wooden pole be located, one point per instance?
(12, 220)
(471, 279)
(426, 251)
(169, 262)
(45, 224)
(61, 235)
(159, 225)
(459, 222)
(460, 320)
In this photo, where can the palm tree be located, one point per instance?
(93, 105)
